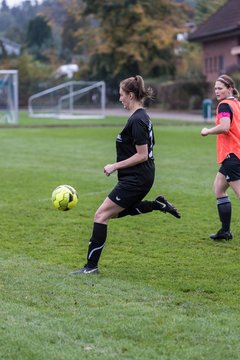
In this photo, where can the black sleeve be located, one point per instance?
(139, 132)
(224, 107)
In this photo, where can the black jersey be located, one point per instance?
(138, 131)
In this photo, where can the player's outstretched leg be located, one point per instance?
(165, 206)
(146, 206)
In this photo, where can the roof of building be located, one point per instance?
(224, 22)
(11, 47)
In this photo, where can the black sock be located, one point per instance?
(96, 244)
(224, 211)
(142, 207)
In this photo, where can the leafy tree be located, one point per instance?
(16, 17)
(129, 37)
(205, 8)
(3, 53)
(39, 34)
(38, 31)
(33, 75)
(189, 63)
(16, 34)
(4, 6)
(74, 20)
(5, 17)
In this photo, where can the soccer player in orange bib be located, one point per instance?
(227, 130)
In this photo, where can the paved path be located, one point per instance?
(156, 114)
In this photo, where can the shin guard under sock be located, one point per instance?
(224, 211)
(96, 244)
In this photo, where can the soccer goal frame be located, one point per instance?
(70, 100)
(9, 96)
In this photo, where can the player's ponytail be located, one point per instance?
(136, 86)
(235, 93)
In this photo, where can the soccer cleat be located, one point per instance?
(222, 235)
(166, 207)
(85, 270)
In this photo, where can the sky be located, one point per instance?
(12, 3)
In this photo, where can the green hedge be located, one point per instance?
(181, 95)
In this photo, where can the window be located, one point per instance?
(206, 65)
(220, 64)
(215, 65)
(210, 64)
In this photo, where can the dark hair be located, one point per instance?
(136, 86)
(229, 83)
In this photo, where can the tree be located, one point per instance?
(205, 8)
(38, 31)
(39, 34)
(5, 17)
(74, 20)
(3, 53)
(129, 37)
(4, 6)
(31, 74)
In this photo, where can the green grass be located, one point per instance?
(165, 290)
(110, 121)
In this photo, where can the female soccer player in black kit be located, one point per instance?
(136, 170)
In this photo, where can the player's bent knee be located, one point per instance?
(101, 217)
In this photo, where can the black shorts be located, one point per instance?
(230, 168)
(127, 198)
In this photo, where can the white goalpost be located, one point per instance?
(9, 96)
(70, 100)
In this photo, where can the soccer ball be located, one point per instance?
(64, 197)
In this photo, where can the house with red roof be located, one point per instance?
(220, 39)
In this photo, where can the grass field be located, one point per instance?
(165, 290)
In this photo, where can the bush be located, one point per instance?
(31, 74)
(181, 95)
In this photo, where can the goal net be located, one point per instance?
(70, 100)
(9, 96)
